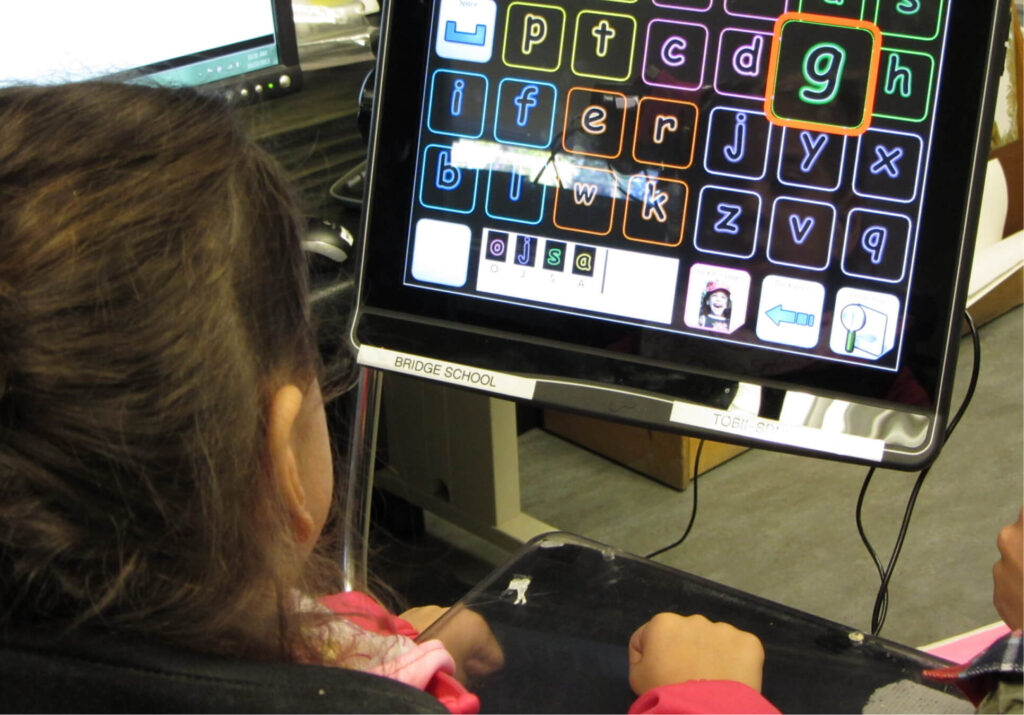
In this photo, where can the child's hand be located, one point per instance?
(422, 617)
(671, 648)
(469, 639)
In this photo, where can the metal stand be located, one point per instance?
(359, 478)
(455, 453)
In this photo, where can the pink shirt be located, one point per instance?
(370, 638)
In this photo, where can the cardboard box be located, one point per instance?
(664, 456)
(997, 274)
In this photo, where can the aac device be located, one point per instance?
(245, 49)
(749, 220)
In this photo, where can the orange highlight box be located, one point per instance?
(874, 63)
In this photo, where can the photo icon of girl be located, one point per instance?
(715, 307)
(716, 299)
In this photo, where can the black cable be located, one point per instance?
(693, 510)
(881, 606)
(860, 524)
(975, 371)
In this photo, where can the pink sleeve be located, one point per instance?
(430, 667)
(366, 613)
(703, 696)
(453, 694)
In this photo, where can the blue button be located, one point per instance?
(445, 185)
(526, 112)
(457, 104)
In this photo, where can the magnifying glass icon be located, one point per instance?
(853, 319)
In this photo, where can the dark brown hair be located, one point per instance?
(152, 297)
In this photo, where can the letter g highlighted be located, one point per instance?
(823, 69)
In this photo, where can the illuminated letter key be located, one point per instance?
(457, 103)
(800, 233)
(823, 73)
(905, 86)
(887, 165)
(534, 36)
(526, 112)
(655, 211)
(812, 160)
(594, 122)
(728, 221)
(675, 54)
(876, 245)
(443, 184)
(742, 66)
(737, 144)
(585, 199)
(514, 197)
(666, 132)
(911, 19)
(603, 46)
(850, 9)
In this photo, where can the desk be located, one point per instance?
(564, 634)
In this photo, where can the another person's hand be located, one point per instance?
(466, 636)
(671, 648)
(1008, 575)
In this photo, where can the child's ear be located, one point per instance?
(281, 419)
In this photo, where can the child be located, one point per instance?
(715, 307)
(165, 467)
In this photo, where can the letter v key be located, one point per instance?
(800, 228)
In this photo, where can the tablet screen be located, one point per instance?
(773, 191)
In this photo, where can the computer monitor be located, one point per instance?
(245, 49)
(747, 220)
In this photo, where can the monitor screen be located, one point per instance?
(245, 48)
(750, 220)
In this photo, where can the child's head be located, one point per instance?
(717, 300)
(152, 308)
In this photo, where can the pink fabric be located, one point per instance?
(703, 696)
(426, 666)
(366, 613)
(416, 667)
(963, 648)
